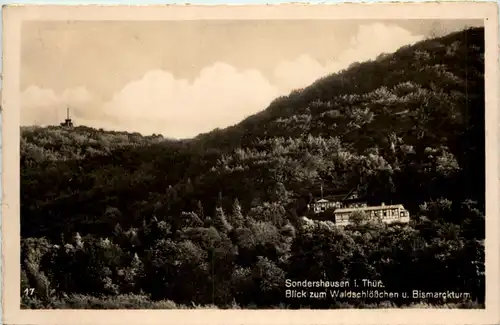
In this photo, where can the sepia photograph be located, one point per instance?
(196, 158)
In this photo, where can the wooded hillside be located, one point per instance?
(110, 213)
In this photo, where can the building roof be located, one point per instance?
(340, 196)
(346, 196)
(379, 207)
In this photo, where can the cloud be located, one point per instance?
(41, 106)
(369, 42)
(220, 96)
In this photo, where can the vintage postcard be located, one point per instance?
(279, 164)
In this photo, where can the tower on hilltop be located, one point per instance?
(67, 123)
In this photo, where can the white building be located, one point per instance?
(384, 213)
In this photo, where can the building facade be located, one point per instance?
(345, 200)
(384, 213)
(323, 204)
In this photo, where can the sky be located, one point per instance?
(182, 78)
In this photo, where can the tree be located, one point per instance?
(32, 254)
(279, 193)
(132, 276)
(320, 252)
(199, 210)
(269, 279)
(220, 222)
(237, 218)
(358, 218)
(77, 240)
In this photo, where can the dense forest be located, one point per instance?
(121, 220)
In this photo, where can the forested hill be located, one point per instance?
(426, 83)
(407, 127)
(119, 220)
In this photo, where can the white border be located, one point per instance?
(13, 17)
